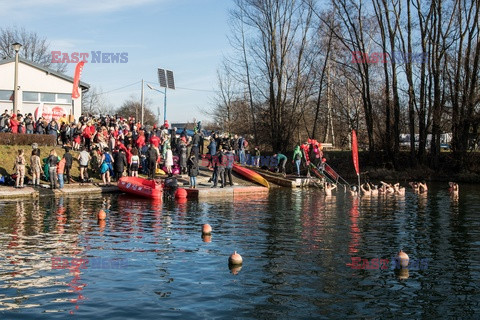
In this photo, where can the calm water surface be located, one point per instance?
(305, 257)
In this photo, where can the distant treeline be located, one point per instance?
(306, 69)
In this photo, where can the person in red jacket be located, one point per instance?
(140, 140)
(14, 123)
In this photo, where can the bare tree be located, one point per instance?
(132, 107)
(94, 102)
(34, 47)
(277, 48)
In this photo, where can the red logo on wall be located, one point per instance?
(49, 112)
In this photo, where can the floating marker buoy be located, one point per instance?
(101, 215)
(235, 259)
(402, 259)
(207, 237)
(206, 229)
(181, 193)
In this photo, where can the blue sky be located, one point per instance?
(188, 37)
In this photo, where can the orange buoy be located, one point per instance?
(181, 193)
(206, 229)
(402, 259)
(101, 215)
(235, 259)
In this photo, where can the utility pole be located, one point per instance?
(142, 112)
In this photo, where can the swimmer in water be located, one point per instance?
(422, 187)
(388, 187)
(414, 186)
(399, 190)
(453, 187)
(328, 188)
(365, 189)
(353, 191)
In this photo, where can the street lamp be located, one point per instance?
(16, 46)
(164, 101)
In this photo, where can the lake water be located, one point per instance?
(306, 256)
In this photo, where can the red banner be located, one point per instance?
(355, 152)
(76, 79)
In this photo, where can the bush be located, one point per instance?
(27, 139)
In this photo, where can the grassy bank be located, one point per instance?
(9, 153)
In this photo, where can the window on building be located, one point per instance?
(47, 97)
(30, 96)
(64, 98)
(6, 95)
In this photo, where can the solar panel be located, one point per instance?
(161, 78)
(171, 83)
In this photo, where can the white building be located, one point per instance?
(42, 91)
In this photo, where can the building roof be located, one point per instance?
(45, 69)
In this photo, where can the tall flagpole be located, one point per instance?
(355, 157)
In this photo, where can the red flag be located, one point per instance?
(76, 79)
(355, 152)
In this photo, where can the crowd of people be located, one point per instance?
(114, 146)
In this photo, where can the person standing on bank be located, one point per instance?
(119, 163)
(152, 156)
(36, 167)
(106, 166)
(19, 168)
(60, 170)
(52, 171)
(297, 158)
(68, 163)
(219, 168)
(134, 163)
(196, 144)
(182, 147)
(192, 168)
(212, 151)
(83, 159)
(230, 157)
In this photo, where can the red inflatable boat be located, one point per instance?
(141, 187)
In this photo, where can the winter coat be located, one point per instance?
(119, 161)
(192, 167)
(183, 154)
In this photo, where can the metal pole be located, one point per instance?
(358, 185)
(165, 106)
(15, 85)
(142, 103)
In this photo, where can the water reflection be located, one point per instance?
(149, 260)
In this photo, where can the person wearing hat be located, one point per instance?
(192, 169)
(196, 144)
(29, 124)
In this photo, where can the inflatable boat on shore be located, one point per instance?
(141, 187)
